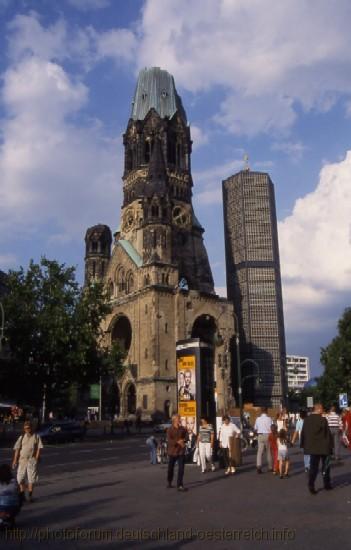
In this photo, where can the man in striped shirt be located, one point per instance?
(335, 426)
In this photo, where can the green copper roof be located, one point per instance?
(132, 253)
(156, 90)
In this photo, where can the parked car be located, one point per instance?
(61, 432)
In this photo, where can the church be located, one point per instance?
(155, 265)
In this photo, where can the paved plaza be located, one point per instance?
(106, 494)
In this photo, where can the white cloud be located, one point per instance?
(208, 183)
(199, 137)
(117, 44)
(315, 248)
(267, 56)
(86, 5)
(294, 150)
(52, 172)
(28, 37)
(252, 114)
(60, 42)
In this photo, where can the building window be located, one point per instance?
(146, 309)
(146, 353)
(166, 364)
(166, 327)
(144, 401)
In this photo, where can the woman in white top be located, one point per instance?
(227, 431)
(283, 456)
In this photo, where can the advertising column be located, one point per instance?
(186, 376)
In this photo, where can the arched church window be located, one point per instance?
(148, 149)
(94, 246)
(130, 284)
(120, 280)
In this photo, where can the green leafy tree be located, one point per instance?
(54, 334)
(336, 358)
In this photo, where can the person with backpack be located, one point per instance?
(26, 456)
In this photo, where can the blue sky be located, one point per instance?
(265, 78)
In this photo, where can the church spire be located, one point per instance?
(155, 89)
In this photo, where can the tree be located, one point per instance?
(53, 331)
(336, 358)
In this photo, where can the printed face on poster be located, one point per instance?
(186, 376)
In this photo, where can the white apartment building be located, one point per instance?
(298, 371)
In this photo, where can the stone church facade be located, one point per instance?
(155, 265)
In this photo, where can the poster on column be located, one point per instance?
(186, 378)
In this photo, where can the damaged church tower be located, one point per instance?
(158, 274)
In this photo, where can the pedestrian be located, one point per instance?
(26, 455)
(176, 441)
(272, 438)
(297, 435)
(317, 441)
(9, 496)
(280, 422)
(283, 456)
(205, 443)
(190, 446)
(227, 431)
(335, 427)
(346, 422)
(152, 444)
(263, 428)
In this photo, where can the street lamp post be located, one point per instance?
(237, 344)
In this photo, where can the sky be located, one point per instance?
(264, 78)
